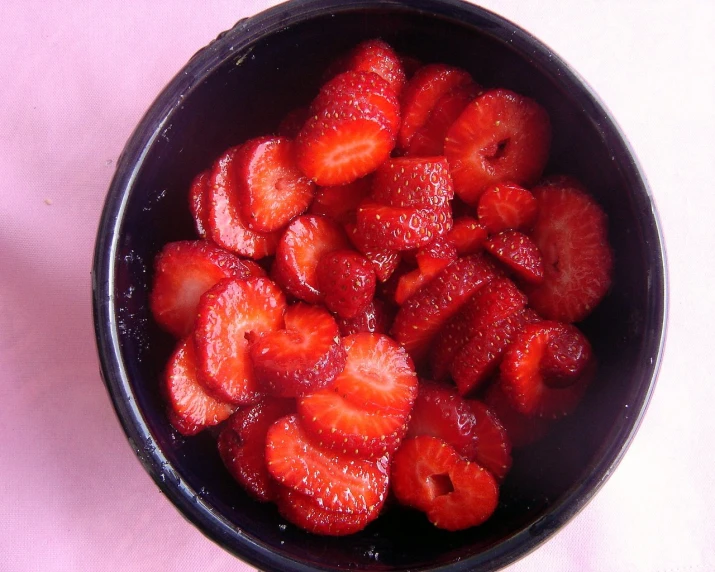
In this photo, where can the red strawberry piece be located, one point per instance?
(183, 271)
(227, 228)
(422, 316)
(409, 284)
(271, 189)
(555, 389)
(347, 280)
(299, 251)
(378, 57)
(571, 232)
(432, 258)
(493, 447)
(521, 429)
(190, 408)
(422, 93)
(429, 139)
(242, 445)
(394, 228)
(375, 318)
(198, 202)
(422, 182)
(507, 206)
(340, 203)
(227, 312)
(307, 513)
(335, 481)
(364, 412)
(383, 260)
(519, 253)
(467, 235)
(500, 136)
(305, 356)
(293, 122)
(429, 475)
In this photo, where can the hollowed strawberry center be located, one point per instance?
(440, 484)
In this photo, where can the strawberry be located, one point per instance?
(242, 445)
(384, 261)
(409, 284)
(423, 314)
(198, 202)
(507, 206)
(293, 122)
(467, 235)
(518, 253)
(546, 369)
(422, 182)
(226, 226)
(347, 280)
(335, 481)
(299, 251)
(340, 203)
(271, 189)
(394, 228)
(431, 259)
(378, 57)
(364, 412)
(500, 136)
(305, 356)
(428, 474)
(421, 94)
(183, 271)
(493, 447)
(410, 64)
(226, 313)
(375, 318)
(571, 232)
(521, 429)
(190, 408)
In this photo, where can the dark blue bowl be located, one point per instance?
(239, 87)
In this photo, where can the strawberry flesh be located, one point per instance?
(198, 202)
(507, 206)
(493, 447)
(340, 203)
(467, 235)
(378, 57)
(518, 253)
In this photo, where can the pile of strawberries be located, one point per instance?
(382, 297)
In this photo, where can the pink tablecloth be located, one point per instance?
(77, 76)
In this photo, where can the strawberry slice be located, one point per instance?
(422, 315)
(226, 313)
(421, 94)
(335, 481)
(394, 228)
(378, 57)
(429, 475)
(226, 227)
(242, 445)
(304, 357)
(467, 235)
(365, 410)
(340, 203)
(500, 136)
(571, 232)
(299, 251)
(293, 122)
(521, 429)
(375, 318)
(409, 284)
(507, 206)
(493, 447)
(518, 253)
(554, 389)
(190, 408)
(434, 257)
(422, 182)
(384, 261)
(271, 189)
(183, 271)
(198, 202)
(347, 280)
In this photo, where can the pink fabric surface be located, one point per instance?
(77, 77)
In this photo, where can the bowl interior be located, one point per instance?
(259, 74)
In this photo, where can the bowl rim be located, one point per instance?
(232, 43)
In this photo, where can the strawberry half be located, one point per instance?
(227, 312)
(271, 189)
(422, 182)
(375, 318)
(571, 232)
(384, 261)
(242, 445)
(190, 408)
(347, 280)
(394, 228)
(507, 206)
(303, 357)
(340, 203)
(428, 474)
(335, 481)
(500, 136)
(521, 429)
(493, 446)
(467, 235)
(378, 57)
(198, 202)
(183, 271)
(518, 253)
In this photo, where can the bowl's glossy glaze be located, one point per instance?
(239, 87)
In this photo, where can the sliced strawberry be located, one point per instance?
(375, 318)
(302, 358)
(521, 429)
(500, 136)
(518, 253)
(365, 411)
(271, 189)
(227, 312)
(335, 481)
(421, 316)
(571, 232)
(378, 57)
(299, 251)
(422, 93)
(455, 494)
(422, 182)
(493, 447)
(552, 390)
(347, 280)
(293, 122)
(198, 202)
(183, 271)
(308, 514)
(190, 408)
(226, 227)
(409, 284)
(507, 206)
(340, 203)
(242, 445)
(394, 228)
(384, 261)
(432, 258)
(467, 235)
